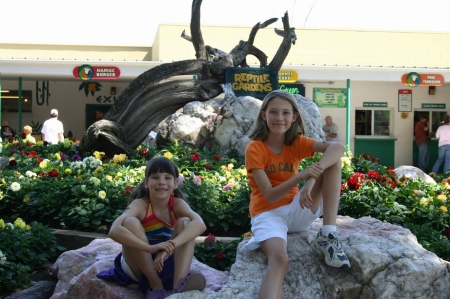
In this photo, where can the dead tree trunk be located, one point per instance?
(145, 102)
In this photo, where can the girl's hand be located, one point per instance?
(168, 247)
(313, 171)
(159, 260)
(305, 194)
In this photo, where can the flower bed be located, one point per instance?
(54, 185)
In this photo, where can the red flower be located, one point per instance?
(104, 157)
(18, 144)
(217, 158)
(12, 163)
(195, 157)
(12, 152)
(53, 173)
(29, 144)
(210, 239)
(393, 184)
(10, 139)
(374, 175)
(354, 182)
(207, 166)
(33, 153)
(43, 174)
(390, 168)
(144, 151)
(219, 255)
(23, 135)
(39, 159)
(127, 190)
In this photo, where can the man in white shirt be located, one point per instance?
(52, 129)
(331, 130)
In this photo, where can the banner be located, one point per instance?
(87, 72)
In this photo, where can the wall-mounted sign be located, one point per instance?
(414, 79)
(287, 76)
(293, 88)
(405, 100)
(375, 104)
(434, 106)
(87, 72)
(330, 97)
(255, 82)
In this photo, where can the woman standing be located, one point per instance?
(443, 133)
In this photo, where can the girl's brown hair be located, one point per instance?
(156, 165)
(261, 130)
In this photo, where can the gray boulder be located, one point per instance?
(223, 124)
(387, 262)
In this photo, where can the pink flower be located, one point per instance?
(416, 192)
(210, 239)
(197, 180)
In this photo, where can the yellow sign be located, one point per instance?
(287, 76)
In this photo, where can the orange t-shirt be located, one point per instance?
(279, 168)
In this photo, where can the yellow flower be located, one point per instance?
(424, 201)
(109, 178)
(2, 223)
(237, 176)
(102, 194)
(43, 164)
(119, 158)
(243, 172)
(231, 181)
(230, 166)
(68, 171)
(40, 143)
(443, 209)
(98, 155)
(248, 235)
(168, 155)
(95, 181)
(79, 179)
(58, 156)
(26, 199)
(20, 223)
(132, 181)
(442, 197)
(345, 161)
(27, 227)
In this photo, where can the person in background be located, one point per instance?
(52, 129)
(331, 130)
(7, 131)
(421, 141)
(443, 133)
(27, 130)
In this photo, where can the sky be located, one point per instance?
(135, 22)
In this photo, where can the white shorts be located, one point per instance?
(127, 269)
(281, 221)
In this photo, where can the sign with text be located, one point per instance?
(375, 104)
(404, 100)
(435, 106)
(330, 97)
(287, 76)
(255, 82)
(414, 79)
(293, 88)
(87, 72)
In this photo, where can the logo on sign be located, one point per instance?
(87, 72)
(414, 79)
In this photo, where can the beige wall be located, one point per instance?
(318, 46)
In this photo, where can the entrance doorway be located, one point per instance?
(95, 112)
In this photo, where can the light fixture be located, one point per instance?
(4, 90)
(113, 91)
(431, 90)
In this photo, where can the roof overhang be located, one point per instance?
(29, 69)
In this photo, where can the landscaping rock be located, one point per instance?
(76, 271)
(387, 262)
(412, 172)
(224, 123)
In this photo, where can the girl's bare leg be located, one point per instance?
(183, 254)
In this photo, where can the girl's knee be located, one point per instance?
(279, 259)
(132, 223)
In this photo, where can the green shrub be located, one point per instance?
(217, 254)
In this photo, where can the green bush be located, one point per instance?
(23, 248)
(217, 253)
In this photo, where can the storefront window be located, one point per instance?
(379, 120)
(10, 101)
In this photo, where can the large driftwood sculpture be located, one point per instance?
(145, 102)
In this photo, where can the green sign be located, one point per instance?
(255, 82)
(330, 97)
(435, 106)
(375, 104)
(293, 88)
